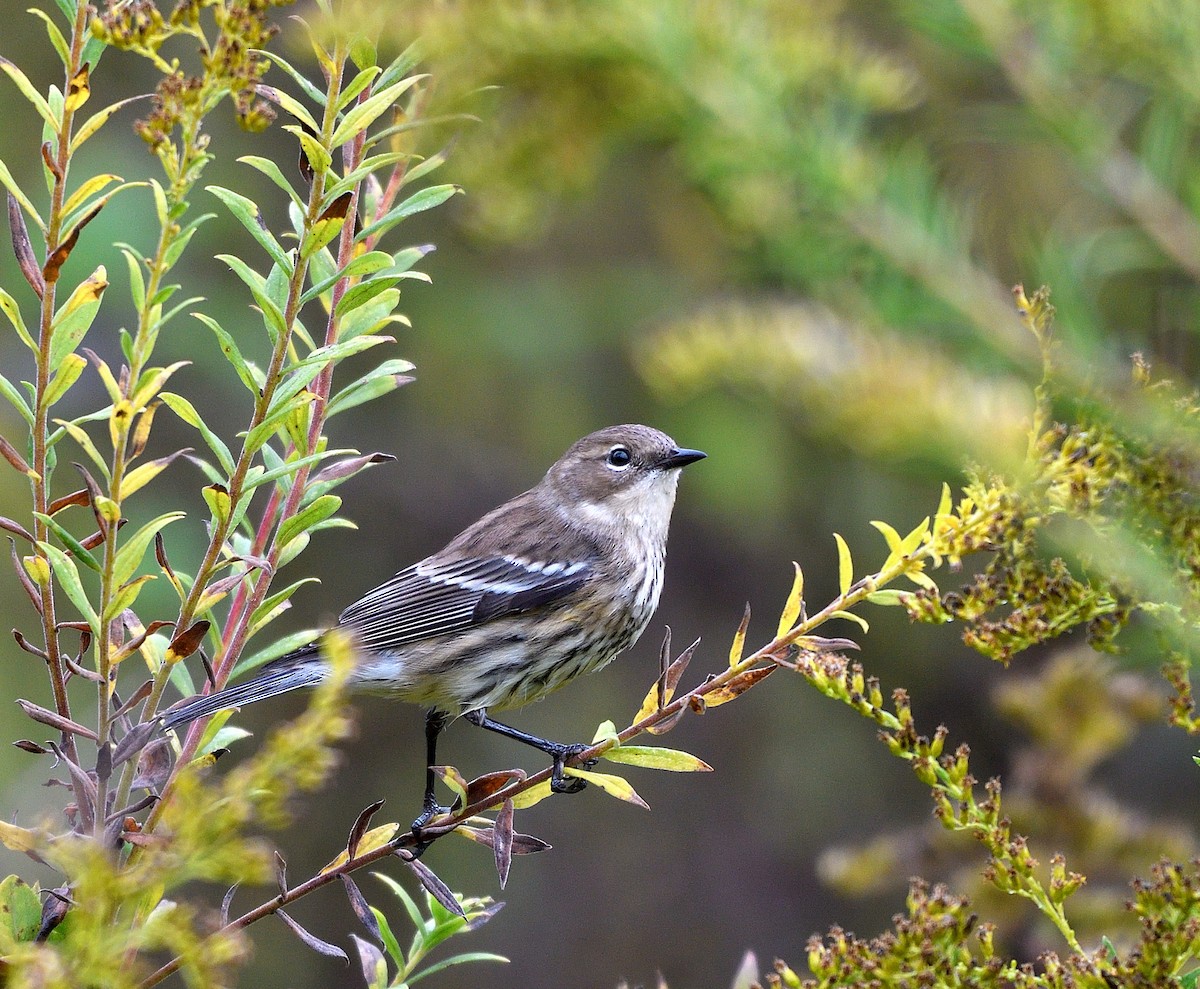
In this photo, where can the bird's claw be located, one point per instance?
(560, 782)
(429, 811)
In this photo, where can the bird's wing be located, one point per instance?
(437, 596)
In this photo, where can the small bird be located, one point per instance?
(551, 585)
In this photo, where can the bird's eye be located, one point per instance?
(619, 458)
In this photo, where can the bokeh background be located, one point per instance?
(784, 233)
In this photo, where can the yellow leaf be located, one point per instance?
(535, 794)
(845, 565)
(850, 616)
(890, 534)
(606, 731)
(655, 757)
(795, 602)
(739, 638)
(913, 540)
(454, 780)
(79, 89)
(614, 786)
(142, 475)
(946, 505)
(17, 838)
(921, 579)
(375, 838)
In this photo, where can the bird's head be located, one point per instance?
(621, 476)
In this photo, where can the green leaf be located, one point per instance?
(13, 312)
(318, 511)
(57, 40)
(261, 433)
(16, 398)
(286, 102)
(11, 185)
(129, 556)
(247, 214)
(845, 565)
(888, 597)
(381, 380)
(68, 578)
(366, 113)
(183, 238)
(280, 647)
(364, 264)
(357, 85)
(187, 412)
(27, 90)
(272, 314)
(76, 432)
(364, 292)
(654, 757)
(20, 906)
(75, 316)
(466, 956)
(229, 348)
(70, 542)
(418, 202)
(372, 164)
(272, 171)
(276, 604)
(137, 281)
(311, 91)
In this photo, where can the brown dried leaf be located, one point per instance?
(437, 889)
(311, 940)
(360, 828)
(358, 903)
(55, 720)
(23, 248)
(502, 841)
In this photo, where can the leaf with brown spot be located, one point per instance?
(738, 685)
(187, 641)
(484, 786)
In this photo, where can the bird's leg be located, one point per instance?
(560, 753)
(435, 721)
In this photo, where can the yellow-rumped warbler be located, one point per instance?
(552, 584)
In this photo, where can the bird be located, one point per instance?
(553, 584)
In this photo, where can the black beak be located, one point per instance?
(680, 458)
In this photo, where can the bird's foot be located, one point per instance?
(560, 782)
(429, 810)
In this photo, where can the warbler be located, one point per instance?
(551, 585)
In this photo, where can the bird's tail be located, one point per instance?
(289, 672)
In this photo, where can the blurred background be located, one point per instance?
(785, 233)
